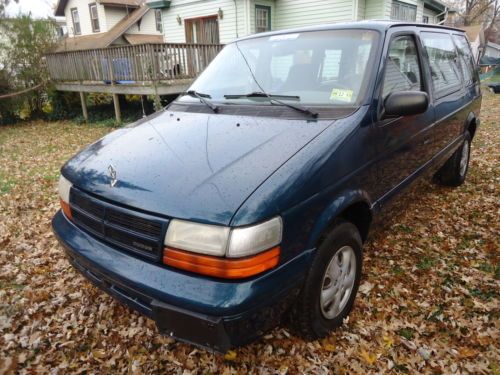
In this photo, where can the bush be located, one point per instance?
(62, 105)
(8, 105)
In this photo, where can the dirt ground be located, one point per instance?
(428, 300)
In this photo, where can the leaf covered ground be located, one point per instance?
(428, 301)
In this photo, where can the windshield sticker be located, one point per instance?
(341, 95)
(278, 38)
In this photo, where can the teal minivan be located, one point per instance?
(249, 197)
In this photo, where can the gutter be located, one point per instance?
(445, 13)
(236, 17)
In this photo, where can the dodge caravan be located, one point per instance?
(250, 196)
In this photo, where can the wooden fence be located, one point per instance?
(132, 64)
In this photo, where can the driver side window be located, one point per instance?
(402, 70)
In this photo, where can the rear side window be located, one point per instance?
(466, 58)
(443, 61)
(402, 69)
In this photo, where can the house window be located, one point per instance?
(94, 17)
(262, 18)
(403, 12)
(425, 19)
(77, 30)
(159, 26)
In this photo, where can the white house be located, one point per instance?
(475, 34)
(101, 23)
(492, 50)
(219, 21)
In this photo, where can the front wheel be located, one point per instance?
(331, 284)
(454, 171)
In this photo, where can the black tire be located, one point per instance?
(453, 172)
(307, 317)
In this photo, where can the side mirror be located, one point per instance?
(406, 103)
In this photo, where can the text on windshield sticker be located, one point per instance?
(341, 95)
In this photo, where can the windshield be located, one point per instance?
(314, 68)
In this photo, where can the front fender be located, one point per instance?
(334, 210)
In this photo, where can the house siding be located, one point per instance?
(175, 33)
(381, 9)
(108, 17)
(431, 14)
(492, 51)
(115, 15)
(375, 9)
(360, 14)
(296, 13)
(148, 25)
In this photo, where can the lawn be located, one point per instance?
(428, 300)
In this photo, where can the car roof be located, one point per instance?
(379, 25)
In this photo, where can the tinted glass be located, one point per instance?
(402, 70)
(443, 62)
(466, 58)
(323, 67)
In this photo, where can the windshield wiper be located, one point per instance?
(274, 98)
(260, 94)
(203, 98)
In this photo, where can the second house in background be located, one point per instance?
(220, 21)
(102, 23)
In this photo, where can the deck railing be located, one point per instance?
(132, 64)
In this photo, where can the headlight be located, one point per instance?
(251, 240)
(64, 188)
(199, 238)
(232, 253)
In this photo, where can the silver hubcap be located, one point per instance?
(464, 160)
(338, 282)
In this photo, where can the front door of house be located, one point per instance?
(203, 30)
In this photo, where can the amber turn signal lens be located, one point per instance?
(222, 267)
(66, 209)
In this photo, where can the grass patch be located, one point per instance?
(398, 270)
(404, 228)
(485, 295)
(6, 184)
(407, 333)
(426, 263)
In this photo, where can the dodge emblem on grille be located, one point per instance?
(112, 174)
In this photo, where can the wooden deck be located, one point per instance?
(147, 69)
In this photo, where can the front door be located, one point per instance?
(204, 30)
(402, 141)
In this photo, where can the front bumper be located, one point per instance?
(207, 312)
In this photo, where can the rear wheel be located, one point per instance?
(454, 171)
(331, 284)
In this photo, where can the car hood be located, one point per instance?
(187, 165)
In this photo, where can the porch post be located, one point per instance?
(116, 103)
(83, 99)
